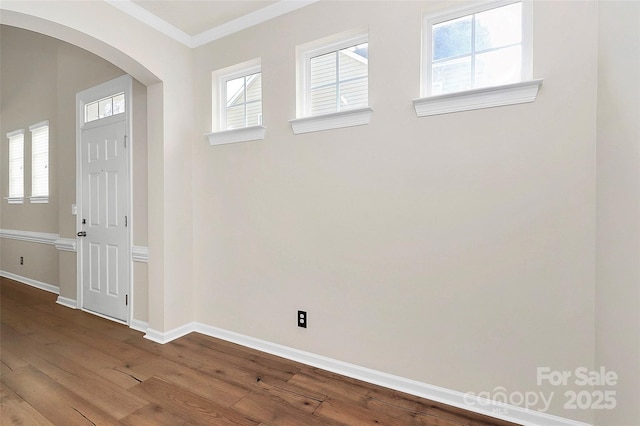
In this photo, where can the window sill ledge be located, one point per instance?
(39, 200)
(246, 134)
(336, 120)
(486, 97)
(15, 200)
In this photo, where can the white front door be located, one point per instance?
(103, 205)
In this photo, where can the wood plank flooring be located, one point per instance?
(63, 366)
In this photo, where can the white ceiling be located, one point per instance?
(197, 22)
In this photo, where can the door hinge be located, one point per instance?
(125, 141)
(126, 300)
(125, 221)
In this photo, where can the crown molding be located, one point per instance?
(154, 21)
(254, 18)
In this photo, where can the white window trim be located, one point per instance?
(245, 134)
(335, 120)
(304, 122)
(486, 97)
(219, 134)
(40, 199)
(10, 199)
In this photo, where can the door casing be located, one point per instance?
(117, 85)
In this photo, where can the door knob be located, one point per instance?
(81, 234)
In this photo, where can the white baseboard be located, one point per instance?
(69, 303)
(33, 283)
(166, 337)
(435, 393)
(138, 325)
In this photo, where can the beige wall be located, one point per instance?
(618, 237)
(455, 250)
(40, 79)
(40, 261)
(24, 104)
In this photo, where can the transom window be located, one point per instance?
(105, 107)
(483, 46)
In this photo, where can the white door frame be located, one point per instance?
(117, 85)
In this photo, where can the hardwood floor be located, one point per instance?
(66, 367)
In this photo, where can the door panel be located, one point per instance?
(105, 263)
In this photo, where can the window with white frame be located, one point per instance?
(16, 166)
(103, 108)
(237, 104)
(477, 57)
(335, 75)
(338, 80)
(332, 83)
(39, 162)
(481, 46)
(239, 96)
(243, 101)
